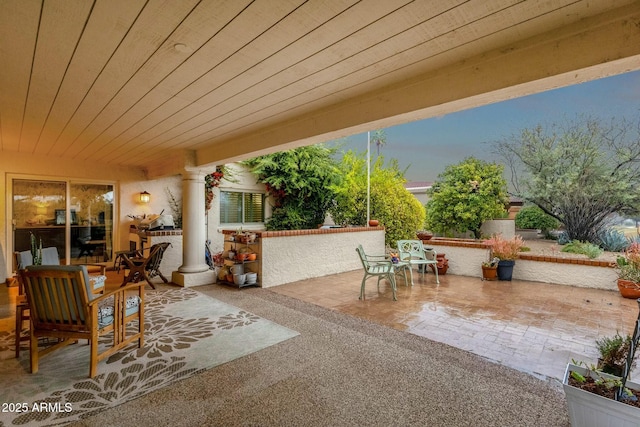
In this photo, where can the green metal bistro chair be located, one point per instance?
(376, 266)
(413, 253)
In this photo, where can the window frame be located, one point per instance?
(243, 209)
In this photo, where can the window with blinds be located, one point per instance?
(241, 208)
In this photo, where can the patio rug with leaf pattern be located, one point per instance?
(186, 332)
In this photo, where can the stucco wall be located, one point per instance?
(466, 257)
(584, 276)
(298, 255)
(241, 180)
(130, 202)
(462, 261)
(506, 227)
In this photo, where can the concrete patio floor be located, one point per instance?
(530, 326)
(533, 327)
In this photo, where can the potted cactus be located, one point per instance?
(36, 250)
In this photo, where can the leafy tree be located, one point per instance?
(579, 172)
(465, 195)
(300, 182)
(390, 203)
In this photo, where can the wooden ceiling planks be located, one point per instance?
(155, 23)
(18, 34)
(223, 46)
(118, 90)
(60, 28)
(101, 37)
(258, 59)
(165, 74)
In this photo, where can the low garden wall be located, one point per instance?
(289, 256)
(466, 256)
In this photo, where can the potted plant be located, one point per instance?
(506, 250)
(442, 265)
(490, 269)
(595, 398)
(424, 235)
(591, 398)
(629, 272)
(613, 354)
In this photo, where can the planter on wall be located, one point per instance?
(373, 223)
(505, 269)
(424, 235)
(591, 410)
(629, 289)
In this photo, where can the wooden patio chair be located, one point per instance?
(414, 253)
(63, 307)
(376, 266)
(146, 268)
(50, 256)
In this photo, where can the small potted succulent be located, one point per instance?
(490, 269)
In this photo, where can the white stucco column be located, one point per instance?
(194, 270)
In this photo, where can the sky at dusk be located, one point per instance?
(426, 147)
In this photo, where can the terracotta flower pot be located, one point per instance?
(629, 289)
(489, 273)
(373, 223)
(424, 236)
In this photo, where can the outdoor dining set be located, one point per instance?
(409, 253)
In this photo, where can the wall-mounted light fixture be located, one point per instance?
(145, 197)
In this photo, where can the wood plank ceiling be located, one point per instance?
(131, 82)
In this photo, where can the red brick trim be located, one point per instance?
(471, 243)
(286, 233)
(133, 229)
(164, 233)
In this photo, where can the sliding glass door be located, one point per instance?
(35, 204)
(91, 222)
(75, 217)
